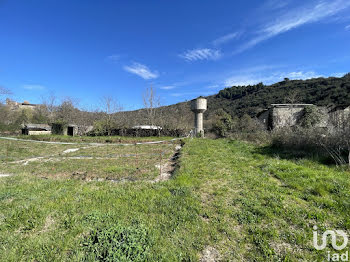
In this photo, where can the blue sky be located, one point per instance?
(89, 49)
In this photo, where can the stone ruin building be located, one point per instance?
(288, 115)
(36, 129)
(13, 105)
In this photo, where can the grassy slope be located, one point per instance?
(227, 195)
(263, 208)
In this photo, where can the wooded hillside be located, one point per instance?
(240, 100)
(236, 100)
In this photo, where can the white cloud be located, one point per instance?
(243, 80)
(252, 79)
(226, 38)
(198, 93)
(33, 87)
(201, 54)
(347, 27)
(301, 75)
(339, 74)
(167, 87)
(174, 85)
(142, 71)
(297, 17)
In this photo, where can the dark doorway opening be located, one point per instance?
(70, 131)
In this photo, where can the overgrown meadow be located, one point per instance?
(241, 201)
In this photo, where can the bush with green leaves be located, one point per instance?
(311, 116)
(118, 243)
(226, 126)
(59, 127)
(224, 123)
(248, 124)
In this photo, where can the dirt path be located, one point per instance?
(167, 169)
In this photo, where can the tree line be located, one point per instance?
(251, 99)
(107, 117)
(237, 101)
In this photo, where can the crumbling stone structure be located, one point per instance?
(36, 129)
(339, 116)
(288, 115)
(13, 105)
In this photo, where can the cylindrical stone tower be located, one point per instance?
(198, 106)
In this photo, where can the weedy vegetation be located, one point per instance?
(247, 202)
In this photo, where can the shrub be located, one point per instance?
(244, 128)
(118, 243)
(311, 116)
(58, 127)
(131, 132)
(296, 138)
(248, 124)
(223, 125)
(331, 143)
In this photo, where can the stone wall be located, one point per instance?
(33, 133)
(286, 116)
(290, 115)
(339, 117)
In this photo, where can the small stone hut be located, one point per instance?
(70, 129)
(36, 129)
(64, 129)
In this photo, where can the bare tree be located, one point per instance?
(50, 104)
(337, 142)
(151, 101)
(293, 97)
(6, 116)
(4, 91)
(67, 111)
(88, 115)
(109, 108)
(40, 115)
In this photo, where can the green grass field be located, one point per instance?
(84, 161)
(228, 200)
